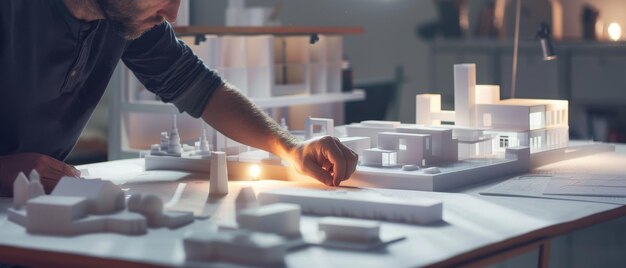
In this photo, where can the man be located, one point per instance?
(57, 57)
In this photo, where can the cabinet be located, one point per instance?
(277, 67)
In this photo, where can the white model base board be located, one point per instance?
(451, 176)
(561, 154)
(358, 204)
(459, 174)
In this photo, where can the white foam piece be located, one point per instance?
(357, 204)
(353, 230)
(281, 219)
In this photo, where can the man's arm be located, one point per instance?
(235, 116)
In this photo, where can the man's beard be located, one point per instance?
(121, 14)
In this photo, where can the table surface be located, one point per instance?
(474, 225)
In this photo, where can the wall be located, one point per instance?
(389, 37)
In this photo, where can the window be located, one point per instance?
(389, 159)
(504, 141)
(536, 120)
(427, 145)
(402, 144)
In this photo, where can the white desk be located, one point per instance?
(477, 230)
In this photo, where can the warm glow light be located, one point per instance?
(255, 172)
(615, 31)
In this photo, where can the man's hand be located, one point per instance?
(234, 115)
(50, 170)
(325, 159)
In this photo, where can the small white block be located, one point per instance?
(175, 219)
(281, 219)
(55, 214)
(410, 167)
(432, 170)
(352, 230)
(246, 199)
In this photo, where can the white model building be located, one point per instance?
(238, 246)
(311, 124)
(370, 129)
(536, 123)
(170, 145)
(410, 145)
(79, 206)
(280, 218)
(357, 204)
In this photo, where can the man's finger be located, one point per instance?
(71, 171)
(336, 157)
(352, 160)
(314, 170)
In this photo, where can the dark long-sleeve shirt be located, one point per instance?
(54, 69)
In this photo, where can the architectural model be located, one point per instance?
(78, 206)
(357, 204)
(536, 123)
(483, 138)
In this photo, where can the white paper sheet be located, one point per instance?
(587, 185)
(534, 185)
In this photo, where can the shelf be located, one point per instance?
(284, 101)
(273, 30)
(273, 102)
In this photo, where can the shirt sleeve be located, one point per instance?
(168, 68)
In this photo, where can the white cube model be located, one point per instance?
(280, 218)
(371, 129)
(47, 214)
(349, 230)
(413, 149)
(444, 147)
(379, 158)
(356, 144)
(326, 127)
